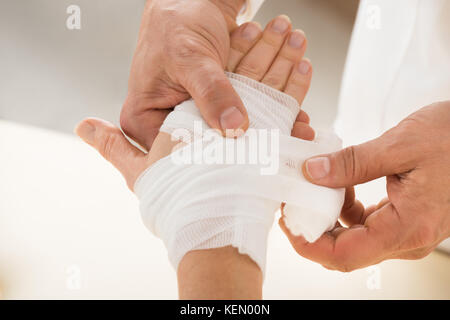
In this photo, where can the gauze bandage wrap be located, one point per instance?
(193, 201)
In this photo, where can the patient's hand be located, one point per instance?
(274, 57)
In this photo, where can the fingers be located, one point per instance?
(301, 128)
(291, 53)
(113, 146)
(303, 131)
(299, 80)
(216, 99)
(143, 126)
(275, 59)
(356, 214)
(384, 156)
(242, 40)
(356, 247)
(303, 117)
(259, 59)
(352, 211)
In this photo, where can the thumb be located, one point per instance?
(113, 146)
(384, 156)
(216, 99)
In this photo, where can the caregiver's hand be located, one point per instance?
(415, 158)
(182, 51)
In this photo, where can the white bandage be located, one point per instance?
(193, 206)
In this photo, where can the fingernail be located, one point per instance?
(281, 24)
(231, 118)
(296, 39)
(318, 168)
(303, 67)
(250, 31)
(86, 131)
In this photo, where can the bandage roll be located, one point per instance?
(201, 207)
(267, 108)
(192, 203)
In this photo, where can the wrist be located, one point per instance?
(230, 10)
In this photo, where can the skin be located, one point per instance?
(220, 273)
(182, 52)
(162, 76)
(414, 156)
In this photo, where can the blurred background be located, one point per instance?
(69, 227)
(52, 77)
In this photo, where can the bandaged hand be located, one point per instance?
(241, 219)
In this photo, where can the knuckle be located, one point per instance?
(403, 133)
(185, 48)
(274, 81)
(210, 89)
(239, 45)
(349, 162)
(250, 69)
(274, 41)
(299, 81)
(292, 55)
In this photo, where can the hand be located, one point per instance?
(182, 51)
(252, 54)
(415, 158)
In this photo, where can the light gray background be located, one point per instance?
(53, 77)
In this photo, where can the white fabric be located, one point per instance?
(199, 206)
(398, 62)
(249, 10)
(267, 108)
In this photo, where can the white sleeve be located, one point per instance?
(249, 11)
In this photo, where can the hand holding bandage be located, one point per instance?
(273, 57)
(199, 206)
(194, 207)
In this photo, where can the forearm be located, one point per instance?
(221, 273)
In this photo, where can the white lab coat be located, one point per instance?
(398, 62)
